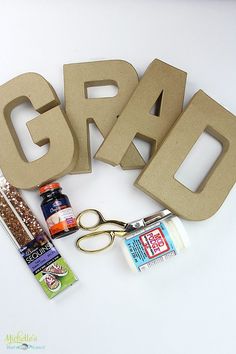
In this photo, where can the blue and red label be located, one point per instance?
(150, 247)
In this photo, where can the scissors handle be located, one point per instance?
(100, 220)
(111, 234)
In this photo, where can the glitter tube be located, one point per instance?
(13, 223)
(11, 203)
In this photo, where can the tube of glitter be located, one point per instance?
(37, 249)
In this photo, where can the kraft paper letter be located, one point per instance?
(161, 84)
(102, 111)
(157, 180)
(49, 127)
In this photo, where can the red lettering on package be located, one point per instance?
(154, 243)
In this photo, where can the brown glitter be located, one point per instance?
(20, 221)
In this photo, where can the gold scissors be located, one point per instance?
(112, 234)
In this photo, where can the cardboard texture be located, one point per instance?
(161, 84)
(102, 111)
(157, 180)
(50, 126)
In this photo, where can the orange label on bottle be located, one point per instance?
(62, 220)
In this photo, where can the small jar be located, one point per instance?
(155, 243)
(57, 211)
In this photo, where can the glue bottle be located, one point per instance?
(155, 243)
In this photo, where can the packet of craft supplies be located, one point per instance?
(48, 266)
(151, 245)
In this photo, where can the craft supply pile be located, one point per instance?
(172, 132)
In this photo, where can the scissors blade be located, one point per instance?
(134, 225)
(160, 215)
(137, 224)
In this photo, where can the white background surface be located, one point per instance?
(186, 306)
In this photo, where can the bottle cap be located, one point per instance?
(49, 187)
